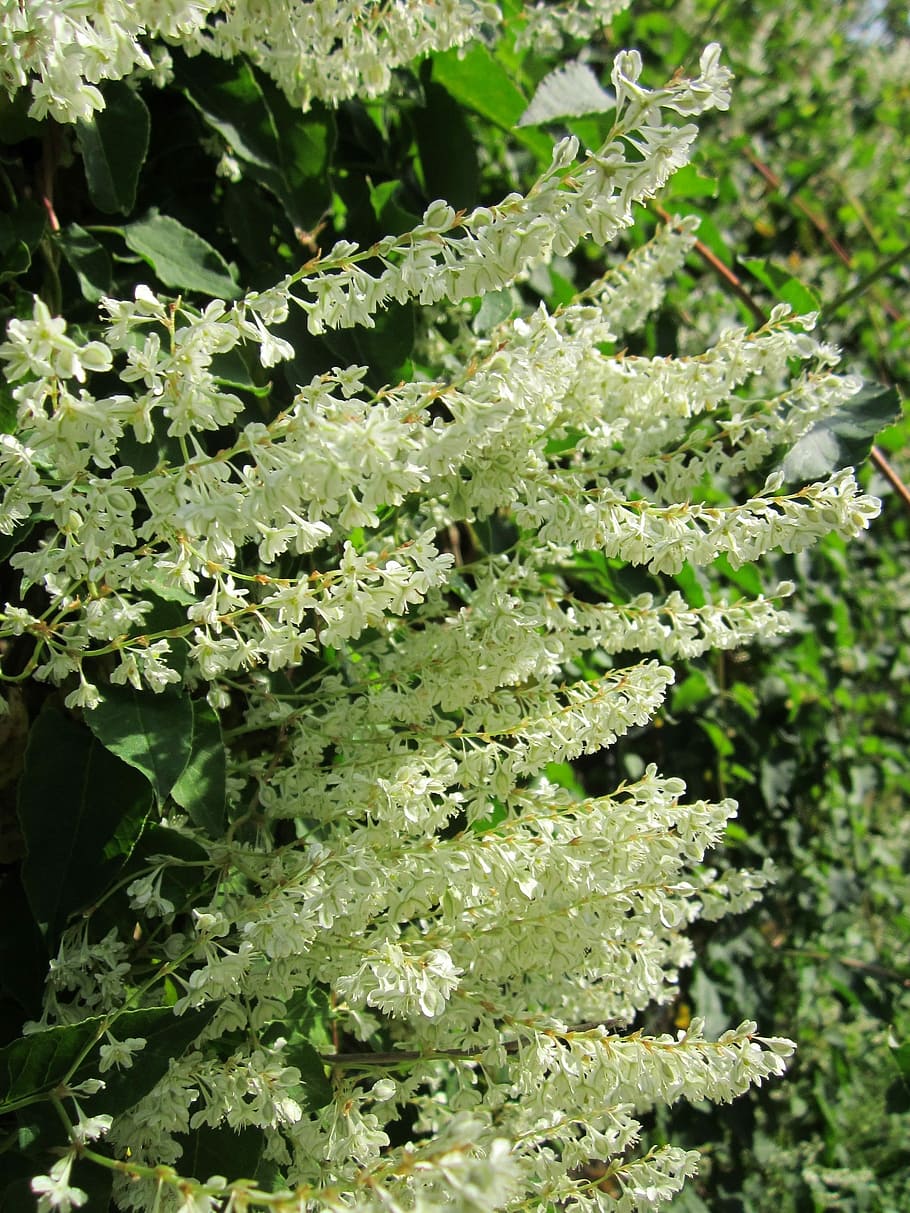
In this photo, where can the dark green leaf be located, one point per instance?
(212, 1151)
(73, 796)
(36, 1064)
(153, 733)
(15, 124)
(168, 615)
(901, 1055)
(286, 151)
(114, 146)
(167, 1037)
(383, 348)
(23, 955)
(897, 1098)
(446, 147)
(20, 234)
(88, 259)
(843, 439)
(315, 1089)
(179, 257)
(201, 789)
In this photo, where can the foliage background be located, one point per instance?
(801, 187)
(814, 736)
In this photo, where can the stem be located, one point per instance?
(818, 222)
(407, 1058)
(850, 962)
(821, 226)
(879, 272)
(734, 283)
(48, 169)
(876, 454)
(878, 458)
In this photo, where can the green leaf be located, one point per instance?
(34, 1065)
(74, 795)
(445, 144)
(167, 1037)
(20, 234)
(707, 1003)
(691, 691)
(180, 257)
(495, 307)
(782, 285)
(212, 1151)
(114, 145)
(383, 348)
(568, 91)
(314, 1090)
(479, 82)
(390, 214)
(901, 1055)
(720, 740)
(843, 439)
(153, 733)
(23, 955)
(88, 259)
(202, 788)
(287, 152)
(687, 182)
(15, 124)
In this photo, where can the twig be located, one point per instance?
(402, 1057)
(725, 272)
(850, 962)
(879, 271)
(818, 222)
(878, 458)
(736, 286)
(821, 226)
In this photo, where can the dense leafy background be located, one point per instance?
(801, 192)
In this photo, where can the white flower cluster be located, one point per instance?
(453, 256)
(546, 26)
(63, 49)
(497, 934)
(315, 50)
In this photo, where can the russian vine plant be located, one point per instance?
(324, 929)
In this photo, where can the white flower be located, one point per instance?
(400, 984)
(54, 1191)
(119, 1053)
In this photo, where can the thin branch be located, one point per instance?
(821, 226)
(818, 221)
(736, 286)
(850, 962)
(878, 458)
(734, 283)
(880, 270)
(402, 1057)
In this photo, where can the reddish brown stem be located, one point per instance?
(725, 272)
(878, 458)
(818, 222)
(876, 454)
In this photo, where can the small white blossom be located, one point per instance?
(54, 1190)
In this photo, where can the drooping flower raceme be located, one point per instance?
(330, 50)
(378, 592)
